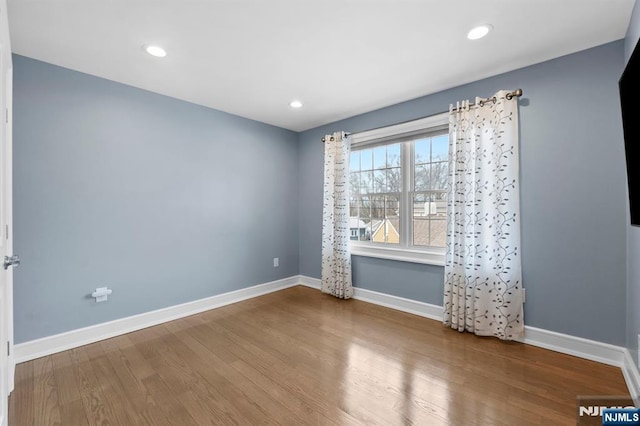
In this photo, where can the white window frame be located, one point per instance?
(370, 138)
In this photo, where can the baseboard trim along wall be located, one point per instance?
(632, 377)
(415, 307)
(605, 353)
(584, 348)
(72, 339)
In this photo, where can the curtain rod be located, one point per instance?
(510, 95)
(516, 93)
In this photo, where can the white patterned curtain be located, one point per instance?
(336, 258)
(483, 275)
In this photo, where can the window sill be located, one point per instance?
(403, 255)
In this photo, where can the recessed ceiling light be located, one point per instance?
(479, 32)
(155, 51)
(295, 104)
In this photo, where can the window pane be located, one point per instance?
(423, 208)
(421, 178)
(440, 148)
(366, 159)
(392, 219)
(366, 182)
(385, 224)
(379, 157)
(354, 183)
(353, 207)
(438, 232)
(430, 219)
(393, 155)
(392, 207)
(366, 234)
(439, 175)
(420, 206)
(380, 181)
(377, 207)
(422, 149)
(421, 231)
(432, 204)
(357, 227)
(440, 200)
(354, 163)
(364, 208)
(394, 179)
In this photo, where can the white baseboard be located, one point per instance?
(72, 339)
(632, 377)
(310, 282)
(577, 346)
(584, 348)
(415, 307)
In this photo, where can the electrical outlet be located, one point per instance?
(276, 262)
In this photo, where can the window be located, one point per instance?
(398, 190)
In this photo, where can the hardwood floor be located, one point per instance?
(299, 357)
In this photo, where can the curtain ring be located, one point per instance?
(509, 96)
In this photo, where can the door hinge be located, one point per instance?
(8, 348)
(6, 231)
(6, 115)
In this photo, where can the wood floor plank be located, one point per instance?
(290, 400)
(94, 402)
(305, 382)
(300, 357)
(72, 413)
(63, 371)
(117, 396)
(21, 401)
(47, 408)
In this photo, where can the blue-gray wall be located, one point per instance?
(165, 201)
(573, 197)
(161, 200)
(633, 232)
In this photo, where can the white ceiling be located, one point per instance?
(339, 57)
